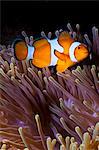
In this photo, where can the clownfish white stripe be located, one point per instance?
(30, 52)
(72, 50)
(54, 46)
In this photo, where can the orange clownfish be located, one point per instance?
(63, 52)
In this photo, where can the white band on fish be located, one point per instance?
(30, 52)
(54, 45)
(72, 50)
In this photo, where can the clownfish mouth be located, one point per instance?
(86, 53)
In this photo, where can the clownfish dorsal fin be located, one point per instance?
(64, 35)
(65, 41)
(60, 56)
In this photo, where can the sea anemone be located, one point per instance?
(44, 110)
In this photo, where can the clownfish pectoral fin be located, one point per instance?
(42, 53)
(60, 56)
(20, 50)
(63, 65)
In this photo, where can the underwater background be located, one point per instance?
(35, 16)
(39, 108)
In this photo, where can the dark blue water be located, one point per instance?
(35, 16)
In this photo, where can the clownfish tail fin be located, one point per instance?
(20, 49)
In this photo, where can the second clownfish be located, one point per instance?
(63, 52)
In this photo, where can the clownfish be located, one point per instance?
(63, 52)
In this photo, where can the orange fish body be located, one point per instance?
(63, 52)
(42, 53)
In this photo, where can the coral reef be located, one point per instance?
(44, 110)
